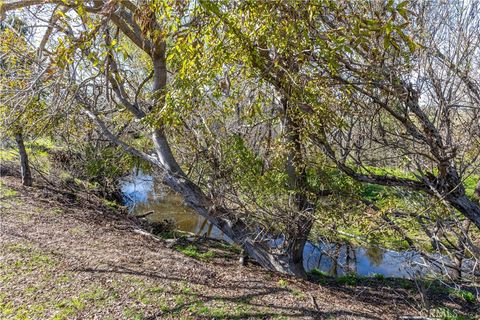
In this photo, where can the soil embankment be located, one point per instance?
(67, 257)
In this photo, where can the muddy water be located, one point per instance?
(142, 194)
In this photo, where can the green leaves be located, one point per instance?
(402, 9)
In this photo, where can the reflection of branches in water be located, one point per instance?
(449, 237)
(144, 184)
(335, 262)
(344, 258)
(455, 251)
(335, 258)
(352, 260)
(441, 231)
(204, 223)
(131, 201)
(313, 255)
(209, 226)
(446, 235)
(375, 254)
(165, 203)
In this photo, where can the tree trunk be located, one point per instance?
(24, 164)
(297, 179)
(467, 207)
(289, 261)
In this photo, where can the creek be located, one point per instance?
(141, 193)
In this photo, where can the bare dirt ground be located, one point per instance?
(64, 257)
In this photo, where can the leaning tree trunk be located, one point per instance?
(257, 247)
(451, 188)
(469, 208)
(155, 46)
(24, 164)
(287, 260)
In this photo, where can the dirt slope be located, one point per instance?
(70, 258)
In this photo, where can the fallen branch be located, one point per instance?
(144, 215)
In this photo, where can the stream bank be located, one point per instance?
(80, 260)
(143, 194)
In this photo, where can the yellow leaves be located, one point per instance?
(9, 40)
(61, 13)
(183, 71)
(81, 11)
(16, 58)
(64, 54)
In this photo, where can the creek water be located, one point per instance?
(143, 194)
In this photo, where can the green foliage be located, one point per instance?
(325, 177)
(373, 192)
(111, 204)
(20, 109)
(239, 158)
(5, 192)
(132, 313)
(106, 163)
(7, 154)
(379, 276)
(96, 168)
(464, 295)
(318, 273)
(297, 293)
(349, 279)
(470, 184)
(283, 283)
(449, 314)
(194, 252)
(69, 308)
(231, 137)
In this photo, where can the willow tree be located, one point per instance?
(412, 104)
(90, 45)
(389, 92)
(376, 80)
(279, 44)
(232, 82)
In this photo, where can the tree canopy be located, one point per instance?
(273, 119)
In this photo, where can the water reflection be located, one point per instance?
(340, 259)
(375, 254)
(142, 194)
